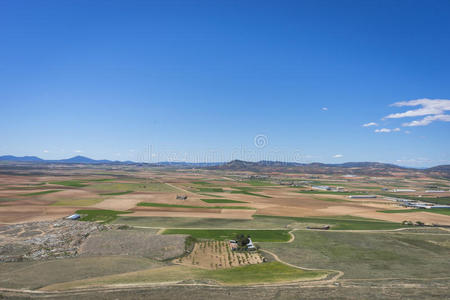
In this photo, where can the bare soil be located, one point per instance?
(43, 240)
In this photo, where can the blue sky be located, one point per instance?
(199, 80)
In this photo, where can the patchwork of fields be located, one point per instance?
(157, 210)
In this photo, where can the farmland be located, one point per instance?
(226, 234)
(153, 236)
(218, 255)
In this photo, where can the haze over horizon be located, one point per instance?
(202, 81)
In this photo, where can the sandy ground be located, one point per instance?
(427, 218)
(223, 214)
(22, 214)
(70, 194)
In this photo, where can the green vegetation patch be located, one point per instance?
(77, 202)
(330, 192)
(259, 183)
(366, 256)
(207, 223)
(71, 183)
(191, 206)
(344, 222)
(261, 273)
(248, 191)
(41, 193)
(202, 183)
(226, 234)
(222, 201)
(437, 200)
(251, 274)
(210, 195)
(116, 187)
(210, 190)
(442, 211)
(116, 193)
(100, 215)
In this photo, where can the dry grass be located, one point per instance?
(134, 243)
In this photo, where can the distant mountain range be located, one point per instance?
(73, 160)
(356, 168)
(86, 160)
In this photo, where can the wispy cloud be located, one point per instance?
(45, 151)
(78, 151)
(338, 155)
(427, 120)
(324, 108)
(385, 130)
(432, 109)
(370, 124)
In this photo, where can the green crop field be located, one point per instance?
(116, 193)
(248, 191)
(331, 193)
(210, 190)
(192, 206)
(202, 183)
(71, 183)
(259, 183)
(221, 201)
(261, 222)
(41, 193)
(77, 202)
(210, 195)
(100, 215)
(437, 200)
(344, 222)
(442, 211)
(116, 187)
(207, 223)
(226, 234)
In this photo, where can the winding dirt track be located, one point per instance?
(338, 275)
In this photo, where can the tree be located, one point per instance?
(242, 240)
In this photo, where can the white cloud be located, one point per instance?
(324, 108)
(432, 109)
(45, 151)
(338, 156)
(370, 124)
(78, 151)
(387, 130)
(407, 132)
(427, 120)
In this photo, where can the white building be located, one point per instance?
(321, 187)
